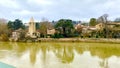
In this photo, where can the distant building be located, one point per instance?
(15, 35)
(78, 26)
(100, 26)
(50, 31)
(32, 28)
(93, 28)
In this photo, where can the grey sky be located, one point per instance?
(56, 9)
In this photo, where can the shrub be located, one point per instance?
(56, 35)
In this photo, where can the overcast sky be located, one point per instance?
(56, 9)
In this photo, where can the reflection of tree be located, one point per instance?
(18, 48)
(65, 53)
(104, 63)
(15, 48)
(79, 50)
(4, 47)
(104, 52)
(44, 51)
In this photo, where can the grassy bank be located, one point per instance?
(99, 40)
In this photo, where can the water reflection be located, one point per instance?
(60, 54)
(64, 53)
(33, 53)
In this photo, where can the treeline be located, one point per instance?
(65, 28)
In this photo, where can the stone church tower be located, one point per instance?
(32, 28)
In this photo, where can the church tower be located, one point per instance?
(32, 28)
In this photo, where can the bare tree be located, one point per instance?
(44, 25)
(3, 26)
(103, 19)
(4, 31)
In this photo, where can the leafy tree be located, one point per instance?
(37, 25)
(10, 24)
(85, 23)
(65, 27)
(14, 25)
(92, 22)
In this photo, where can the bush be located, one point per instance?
(56, 35)
(22, 36)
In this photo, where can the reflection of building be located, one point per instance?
(32, 29)
(33, 53)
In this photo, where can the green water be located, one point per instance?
(60, 55)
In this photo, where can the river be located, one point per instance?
(60, 55)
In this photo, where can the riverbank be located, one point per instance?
(88, 40)
(92, 40)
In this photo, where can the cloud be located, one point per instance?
(9, 3)
(23, 12)
(57, 9)
(40, 2)
(28, 12)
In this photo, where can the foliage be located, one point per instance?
(92, 22)
(64, 27)
(57, 35)
(85, 23)
(37, 25)
(14, 25)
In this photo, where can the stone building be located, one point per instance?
(50, 31)
(32, 28)
(15, 35)
(100, 26)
